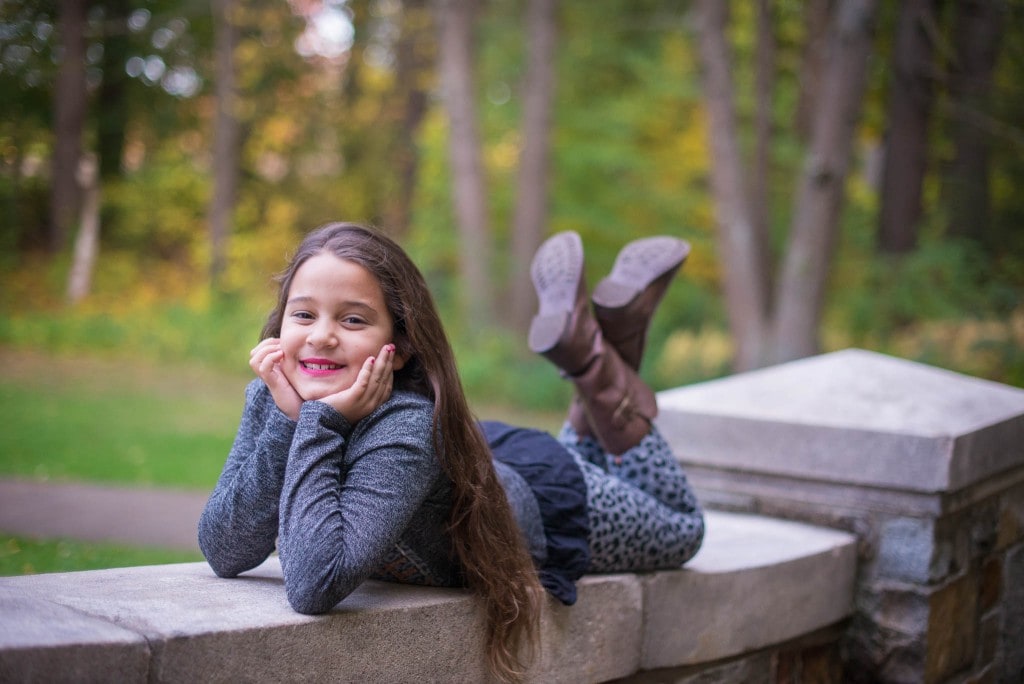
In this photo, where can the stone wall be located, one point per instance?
(925, 466)
(763, 596)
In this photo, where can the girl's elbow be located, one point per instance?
(312, 589)
(308, 601)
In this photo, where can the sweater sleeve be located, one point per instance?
(238, 526)
(348, 495)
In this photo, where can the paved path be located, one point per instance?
(92, 512)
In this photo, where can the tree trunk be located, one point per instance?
(412, 65)
(764, 84)
(910, 105)
(456, 18)
(227, 139)
(87, 242)
(816, 14)
(804, 276)
(740, 245)
(112, 116)
(69, 117)
(977, 32)
(532, 204)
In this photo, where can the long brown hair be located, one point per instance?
(486, 538)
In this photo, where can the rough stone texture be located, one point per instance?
(177, 623)
(811, 659)
(36, 634)
(924, 465)
(1013, 616)
(952, 629)
(763, 578)
(850, 417)
(905, 549)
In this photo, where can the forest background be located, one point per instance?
(845, 170)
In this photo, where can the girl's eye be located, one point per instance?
(352, 320)
(304, 315)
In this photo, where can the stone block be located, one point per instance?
(598, 639)
(42, 641)
(952, 628)
(852, 417)
(991, 583)
(821, 665)
(1013, 615)
(757, 582)
(1010, 527)
(381, 632)
(905, 549)
(899, 609)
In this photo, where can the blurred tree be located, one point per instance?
(456, 19)
(113, 116)
(760, 174)
(414, 62)
(911, 94)
(87, 240)
(976, 33)
(816, 15)
(741, 246)
(531, 208)
(27, 68)
(227, 136)
(69, 106)
(787, 329)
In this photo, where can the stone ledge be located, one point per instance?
(851, 417)
(756, 582)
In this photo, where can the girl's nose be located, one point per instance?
(323, 334)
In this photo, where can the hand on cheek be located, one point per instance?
(265, 360)
(371, 389)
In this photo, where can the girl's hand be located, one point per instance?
(265, 360)
(371, 388)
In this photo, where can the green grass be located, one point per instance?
(20, 556)
(115, 421)
(104, 420)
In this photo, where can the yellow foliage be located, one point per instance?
(280, 132)
(504, 155)
(689, 355)
(257, 255)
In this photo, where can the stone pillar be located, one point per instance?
(924, 465)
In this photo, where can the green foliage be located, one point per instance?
(20, 556)
(496, 370)
(939, 280)
(218, 333)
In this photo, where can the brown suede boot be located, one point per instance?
(617, 405)
(625, 300)
(563, 329)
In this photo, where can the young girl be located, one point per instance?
(357, 456)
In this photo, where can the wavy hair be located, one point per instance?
(485, 536)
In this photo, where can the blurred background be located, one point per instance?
(845, 171)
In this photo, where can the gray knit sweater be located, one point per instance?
(341, 503)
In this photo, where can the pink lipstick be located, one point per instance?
(319, 367)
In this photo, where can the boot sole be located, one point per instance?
(639, 264)
(557, 274)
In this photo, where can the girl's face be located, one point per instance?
(335, 318)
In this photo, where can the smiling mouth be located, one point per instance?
(320, 366)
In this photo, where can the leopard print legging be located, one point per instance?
(642, 511)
